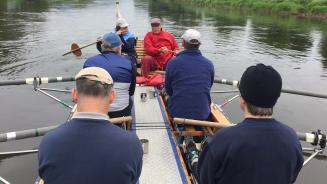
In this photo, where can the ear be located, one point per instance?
(112, 96)
(74, 95)
(242, 103)
(118, 50)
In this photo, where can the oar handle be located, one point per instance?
(295, 92)
(80, 48)
(201, 123)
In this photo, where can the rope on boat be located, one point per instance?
(40, 80)
(23, 134)
(295, 92)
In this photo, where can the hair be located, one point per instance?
(259, 111)
(117, 28)
(93, 88)
(107, 47)
(188, 45)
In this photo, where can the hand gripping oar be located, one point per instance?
(76, 50)
(295, 92)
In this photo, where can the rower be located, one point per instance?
(122, 71)
(89, 148)
(259, 149)
(159, 47)
(128, 39)
(188, 80)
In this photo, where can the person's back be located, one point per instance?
(255, 151)
(88, 148)
(189, 77)
(259, 149)
(122, 71)
(88, 151)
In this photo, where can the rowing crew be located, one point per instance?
(90, 150)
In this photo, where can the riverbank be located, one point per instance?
(300, 8)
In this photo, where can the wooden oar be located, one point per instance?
(315, 138)
(118, 14)
(295, 92)
(23, 134)
(76, 50)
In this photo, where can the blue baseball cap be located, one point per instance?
(112, 39)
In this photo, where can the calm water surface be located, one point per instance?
(35, 33)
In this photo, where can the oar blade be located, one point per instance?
(75, 48)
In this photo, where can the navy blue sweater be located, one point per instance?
(88, 151)
(255, 152)
(122, 71)
(189, 77)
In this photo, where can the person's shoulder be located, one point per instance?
(92, 58)
(287, 129)
(148, 34)
(172, 62)
(56, 133)
(206, 60)
(228, 133)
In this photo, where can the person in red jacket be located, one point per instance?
(159, 47)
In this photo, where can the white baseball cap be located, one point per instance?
(191, 36)
(95, 74)
(121, 22)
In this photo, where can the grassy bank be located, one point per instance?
(310, 8)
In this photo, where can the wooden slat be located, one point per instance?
(140, 50)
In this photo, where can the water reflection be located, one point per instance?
(284, 38)
(22, 23)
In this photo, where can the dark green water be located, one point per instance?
(35, 33)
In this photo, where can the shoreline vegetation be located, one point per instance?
(300, 8)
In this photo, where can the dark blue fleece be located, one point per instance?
(256, 151)
(88, 151)
(189, 77)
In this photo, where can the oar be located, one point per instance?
(18, 152)
(40, 80)
(23, 134)
(76, 50)
(228, 91)
(118, 14)
(295, 92)
(4, 181)
(316, 138)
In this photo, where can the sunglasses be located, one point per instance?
(155, 25)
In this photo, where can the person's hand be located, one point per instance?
(176, 52)
(119, 32)
(163, 49)
(99, 39)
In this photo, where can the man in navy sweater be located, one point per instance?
(259, 149)
(88, 148)
(122, 71)
(189, 77)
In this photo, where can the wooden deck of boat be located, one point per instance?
(161, 164)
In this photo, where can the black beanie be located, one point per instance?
(261, 85)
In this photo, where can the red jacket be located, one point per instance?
(153, 42)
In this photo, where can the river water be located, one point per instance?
(35, 33)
